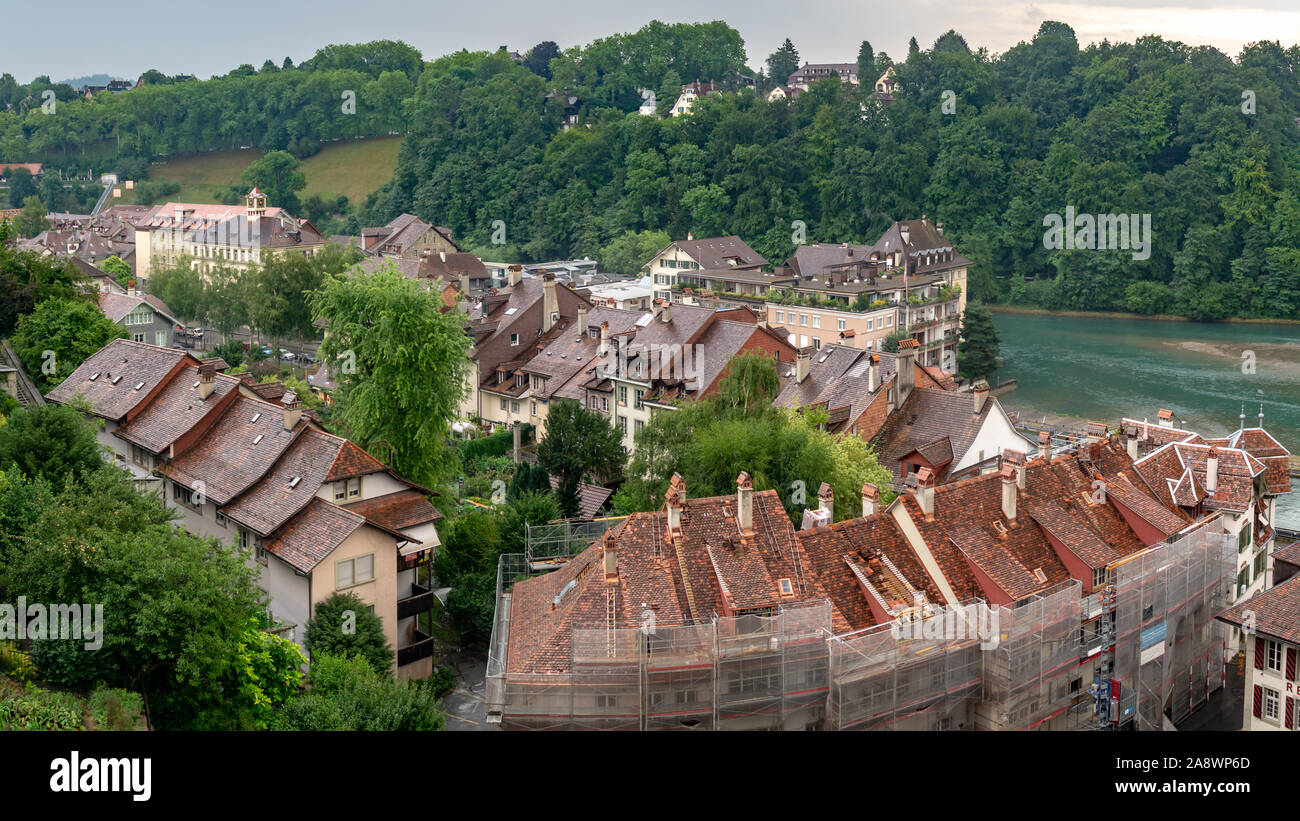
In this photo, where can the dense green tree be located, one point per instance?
(783, 62)
(279, 175)
(539, 57)
(977, 356)
(629, 251)
(32, 220)
(21, 186)
(578, 443)
(534, 508)
(58, 335)
(347, 694)
(400, 363)
(344, 625)
(52, 442)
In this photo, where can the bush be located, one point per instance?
(28, 707)
(362, 636)
(443, 681)
(347, 694)
(115, 709)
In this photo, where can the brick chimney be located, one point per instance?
(1009, 492)
(1166, 418)
(464, 283)
(802, 363)
(826, 501)
(610, 557)
(550, 302)
(1044, 445)
(582, 320)
(665, 310)
(924, 491)
(873, 372)
(981, 393)
(674, 499)
(1016, 459)
(1212, 471)
(870, 499)
(906, 359)
(745, 503)
(292, 410)
(1131, 441)
(207, 379)
(514, 275)
(604, 338)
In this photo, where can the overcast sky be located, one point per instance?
(74, 38)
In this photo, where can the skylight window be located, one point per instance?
(787, 589)
(256, 416)
(139, 385)
(511, 311)
(294, 481)
(257, 439)
(94, 376)
(117, 379)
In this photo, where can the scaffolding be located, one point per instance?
(550, 545)
(921, 675)
(1169, 650)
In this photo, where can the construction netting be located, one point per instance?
(922, 675)
(1028, 675)
(1169, 650)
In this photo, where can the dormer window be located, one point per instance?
(501, 376)
(514, 339)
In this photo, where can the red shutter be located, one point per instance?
(1259, 701)
(1290, 664)
(1290, 713)
(1259, 653)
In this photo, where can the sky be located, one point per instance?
(212, 38)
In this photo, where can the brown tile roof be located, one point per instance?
(1289, 554)
(112, 397)
(1164, 472)
(1081, 540)
(351, 462)
(714, 253)
(175, 410)
(397, 511)
(1276, 611)
(591, 498)
(927, 416)
(275, 497)
(230, 457)
(1144, 506)
(307, 539)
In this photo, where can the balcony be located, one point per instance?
(420, 600)
(420, 648)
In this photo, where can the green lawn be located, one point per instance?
(353, 168)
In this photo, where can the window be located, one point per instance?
(840, 325)
(1261, 564)
(685, 696)
(622, 425)
(1098, 578)
(1273, 655)
(817, 344)
(1076, 685)
(354, 571)
(871, 324)
(603, 700)
(222, 520)
(803, 319)
(533, 408)
(889, 322)
(160, 338)
(593, 401)
(622, 395)
(137, 337)
(1243, 538)
(780, 317)
(604, 404)
(817, 321)
(141, 456)
(245, 539)
(638, 395)
(514, 407)
(263, 556)
(347, 489)
(1271, 707)
(514, 339)
(637, 425)
(503, 404)
(803, 341)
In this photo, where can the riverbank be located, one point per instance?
(1028, 311)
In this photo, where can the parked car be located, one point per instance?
(285, 353)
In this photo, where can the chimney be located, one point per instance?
(826, 501)
(604, 338)
(981, 393)
(1261, 415)
(675, 498)
(550, 302)
(1166, 418)
(1009, 492)
(1132, 442)
(665, 310)
(610, 555)
(130, 291)
(1212, 471)
(802, 362)
(514, 275)
(464, 283)
(906, 358)
(870, 499)
(924, 491)
(582, 320)
(938, 226)
(442, 255)
(745, 503)
(292, 410)
(1015, 459)
(1044, 445)
(904, 233)
(207, 379)
(873, 373)
(1096, 432)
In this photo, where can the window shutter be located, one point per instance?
(1259, 653)
(1290, 713)
(1259, 700)
(1290, 664)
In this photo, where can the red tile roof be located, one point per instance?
(313, 534)
(1276, 611)
(117, 368)
(397, 511)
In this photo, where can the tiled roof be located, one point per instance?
(929, 415)
(397, 511)
(276, 497)
(175, 410)
(1289, 554)
(230, 457)
(351, 462)
(591, 498)
(1276, 611)
(926, 249)
(713, 253)
(1235, 481)
(112, 397)
(1081, 540)
(1143, 505)
(313, 534)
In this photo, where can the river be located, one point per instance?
(1103, 369)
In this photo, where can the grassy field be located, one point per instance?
(353, 168)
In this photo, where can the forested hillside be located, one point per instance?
(1206, 144)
